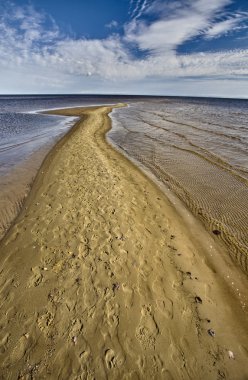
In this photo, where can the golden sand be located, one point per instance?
(101, 278)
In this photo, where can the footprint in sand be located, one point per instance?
(112, 315)
(110, 359)
(157, 364)
(36, 277)
(165, 305)
(145, 269)
(148, 329)
(44, 321)
(85, 356)
(19, 350)
(4, 342)
(141, 362)
(128, 295)
(76, 328)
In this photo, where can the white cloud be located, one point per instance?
(164, 35)
(35, 56)
(22, 31)
(221, 28)
(179, 23)
(227, 26)
(209, 7)
(139, 8)
(112, 24)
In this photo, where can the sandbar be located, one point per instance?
(102, 279)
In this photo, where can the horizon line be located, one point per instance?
(126, 95)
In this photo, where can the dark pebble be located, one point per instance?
(198, 299)
(216, 232)
(211, 332)
(115, 286)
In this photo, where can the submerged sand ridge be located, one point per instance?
(100, 278)
(200, 151)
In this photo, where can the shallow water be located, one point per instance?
(25, 139)
(23, 134)
(198, 148)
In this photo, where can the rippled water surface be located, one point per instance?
(199, 149)
(25, 139)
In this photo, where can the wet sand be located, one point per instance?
(101, 277)
(22, 156)
(199, 151)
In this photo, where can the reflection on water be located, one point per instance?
(198, 147)
(26, 137)
(22, 134)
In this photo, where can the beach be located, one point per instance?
(101, 278)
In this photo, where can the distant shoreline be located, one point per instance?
(127, 96)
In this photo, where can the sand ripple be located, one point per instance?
(203, 162)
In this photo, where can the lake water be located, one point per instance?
(26, 137)
(199, 149)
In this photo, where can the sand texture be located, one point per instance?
(101, 278)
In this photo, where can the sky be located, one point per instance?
(151, 47)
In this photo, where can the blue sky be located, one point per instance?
(163, 47)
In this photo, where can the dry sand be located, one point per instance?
(101, 278)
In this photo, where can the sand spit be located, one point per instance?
(101, 279)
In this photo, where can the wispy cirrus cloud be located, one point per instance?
(138, 7)
(176, 23)
(230, 25)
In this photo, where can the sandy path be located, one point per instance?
(101, 279)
